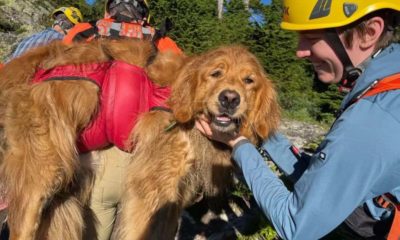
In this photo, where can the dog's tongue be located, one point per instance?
(223, 119)
(3, 204)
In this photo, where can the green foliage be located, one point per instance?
(196, 26)
(266, 233)
(7, 26)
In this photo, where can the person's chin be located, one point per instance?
(325, 78)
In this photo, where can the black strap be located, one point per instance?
(67, 78)
(166, 26)
(364, 225)
(161, 108)
(350, 73)
(264, 153)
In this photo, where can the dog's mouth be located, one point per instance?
(224, 122)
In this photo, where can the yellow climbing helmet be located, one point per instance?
(301, 15)
(73, 14)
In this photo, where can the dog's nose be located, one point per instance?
(229, 99)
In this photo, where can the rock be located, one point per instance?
(302, 134)
(19, 19)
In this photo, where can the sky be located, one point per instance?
(266, 1)
(90, 2)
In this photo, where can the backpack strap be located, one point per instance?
(378, 86)
(76, 30)
(166, 26)
(388, 201)
(389, 83)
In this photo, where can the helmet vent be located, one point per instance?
(321, 9)
(349, 9)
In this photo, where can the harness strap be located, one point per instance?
(388, 201)
(387, 84)
(172, 124)
(87, 34)
(161, 108)
(394, 233)
(114, 29)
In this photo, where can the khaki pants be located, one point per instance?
(110, 165)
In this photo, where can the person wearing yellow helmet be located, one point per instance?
(124, 19)
(351, 185)
(64, 19)
(338, 21)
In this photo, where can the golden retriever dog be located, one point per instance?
(47, 187)
(173, 164)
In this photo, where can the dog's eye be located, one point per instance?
(216, 74)
(248, 80)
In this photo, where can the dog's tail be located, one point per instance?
(63, 220)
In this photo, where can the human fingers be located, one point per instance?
(203, 127)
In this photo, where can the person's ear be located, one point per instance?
(373, 30)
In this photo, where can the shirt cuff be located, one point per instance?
(238, 144)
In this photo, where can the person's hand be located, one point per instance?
(230, 139)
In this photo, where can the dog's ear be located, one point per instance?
(265, 116)
(183, 92)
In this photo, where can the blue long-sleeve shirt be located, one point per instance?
(41, 38)
(358, 160)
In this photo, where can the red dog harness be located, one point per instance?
(126, 92)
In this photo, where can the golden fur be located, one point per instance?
(169, 169)
(47, 187)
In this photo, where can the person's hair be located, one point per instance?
(389, 35)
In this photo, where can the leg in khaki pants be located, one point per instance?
(110, 165)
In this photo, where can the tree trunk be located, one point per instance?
(220, 4)
(246, 4)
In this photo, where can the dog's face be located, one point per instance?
(229, 86)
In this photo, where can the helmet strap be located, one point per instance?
(350, 73)
(63, 23)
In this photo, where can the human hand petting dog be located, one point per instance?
(230, 139)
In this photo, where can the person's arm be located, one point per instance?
(23, 46)
(341, 176)
(286, 157)
(36, 40)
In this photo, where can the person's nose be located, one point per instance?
(303, 48)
